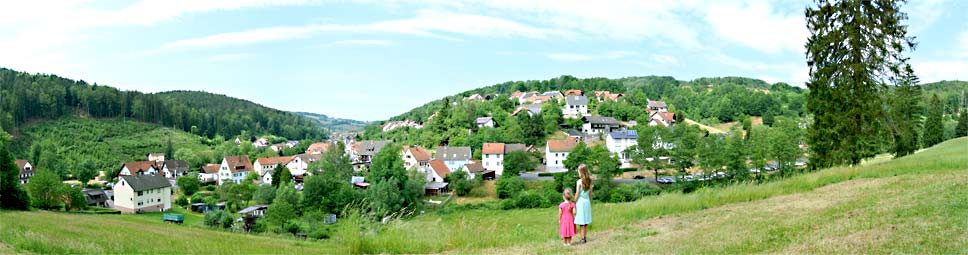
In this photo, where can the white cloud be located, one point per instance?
(923, 13)
(932, 71)
(612, 55)
(758, 25)
(429, 23)
(665, 59)
(228, 57)
(379, 43)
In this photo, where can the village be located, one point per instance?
(148, 186)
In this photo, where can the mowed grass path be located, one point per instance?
(535, 230)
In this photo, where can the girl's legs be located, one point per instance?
(584, 231)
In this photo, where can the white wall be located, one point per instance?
(494, 162)
(555, 161)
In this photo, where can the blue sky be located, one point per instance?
(370, 60)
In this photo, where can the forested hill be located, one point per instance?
(722, 98)
(336, 124)
(29, 97)
(952, 93)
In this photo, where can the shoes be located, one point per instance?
(584, 240)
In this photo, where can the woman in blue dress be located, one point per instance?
(583, 208)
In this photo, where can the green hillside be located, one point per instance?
(914, 204)
(335, 124)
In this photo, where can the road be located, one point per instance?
(535, 177)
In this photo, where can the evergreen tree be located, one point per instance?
(12, 195)
(280, 174)
(962, 128)
(854, 48)
(170, 151)
(933, 127)
(904, 116)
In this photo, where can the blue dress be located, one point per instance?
(583, 208)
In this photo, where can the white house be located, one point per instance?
(300, 163)
(234, 169)
(485, 122)
(665, 119)
(618, 142)
(208, 173)
(440, 170)
(138, 168)
(142, 193)
(475, 168)
(261, 143)
(575, 107)
(266, 177)
(416, 158)
(657, 106)
(262, 165)
(599, 125)
(26, 170)
(174, 168)
(454, 157)
(556, 151)
(156, 157)
(531, 109)
(492, 155)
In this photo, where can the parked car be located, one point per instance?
(754, 171)
(639, 177)
(688, 178)
(666, 180)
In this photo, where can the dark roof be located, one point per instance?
(146, 182)
(533, 108)
(572, 132)
(453, 153)
(576, 100)
(177, 165)
(513, 147)
(483, 120)
(657, 104)
(95, 196)
(624, 134)
(308, 158)
(370, 147)
(253, 208)
(601, 120)
(475, 167)
(435, 185)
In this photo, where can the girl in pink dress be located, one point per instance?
(566, 217)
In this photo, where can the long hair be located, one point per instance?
(586, 178)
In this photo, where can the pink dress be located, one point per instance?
(566, 220)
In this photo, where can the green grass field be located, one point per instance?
(916, 204)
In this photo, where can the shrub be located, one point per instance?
(322, 232)
(632, 192)
(197, 198)
(508, 186)
(181, 201)
(526, 199)
(210, 188)
(218, 219)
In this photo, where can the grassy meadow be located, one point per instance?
(914, 204)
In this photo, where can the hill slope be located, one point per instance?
(914, 204)
(335, 124)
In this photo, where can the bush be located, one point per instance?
(218, 219)
(210, 187)
(632, 192)
(181, 201)
(508, 186)
(321, 233)
(197, 198)
(524, 200)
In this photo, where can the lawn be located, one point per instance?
(914, 204)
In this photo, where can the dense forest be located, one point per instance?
(336, 124)
(28, 97)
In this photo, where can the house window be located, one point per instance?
(140, 193)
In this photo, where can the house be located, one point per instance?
(435, 188)
(485, 122)
(618, 142)
(603, 96)
(26, 170)
(554, 95)
(258, 211)
(556, 151)
(208, 173)
(266, 177)
(599, 125)
(531, 109)
(278, 147)
(299, 163)
(573, 92)
(234, 169)
(138, 168)
(475, 168)
(537, 99)
(527, 96)
(292, 143)
(657, 106)
(575, 134)
(261, 143)
(363, 152)
(96, 197)
(174, 168)
(516, 95)
(474, 97)
(454, 157)
(575, 107)
(440, 171)
(262, 165)
(142, 193)
(156, 157)
(318, 148)
(492, 155)
(416, 158)
(665, 119)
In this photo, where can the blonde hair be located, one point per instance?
(586, 178)
(568, 194)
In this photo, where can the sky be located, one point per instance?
(371, 60)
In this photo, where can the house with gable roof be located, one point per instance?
(234, 169)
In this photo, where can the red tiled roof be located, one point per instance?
(138, 166)
(575, 92)
(440, 167)
(274, 160)
(562, 145)
(23, 163)
(210, 168)
(475, 166)
(318, 147)
(238, 163)
(418, 153)
(493, 148)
